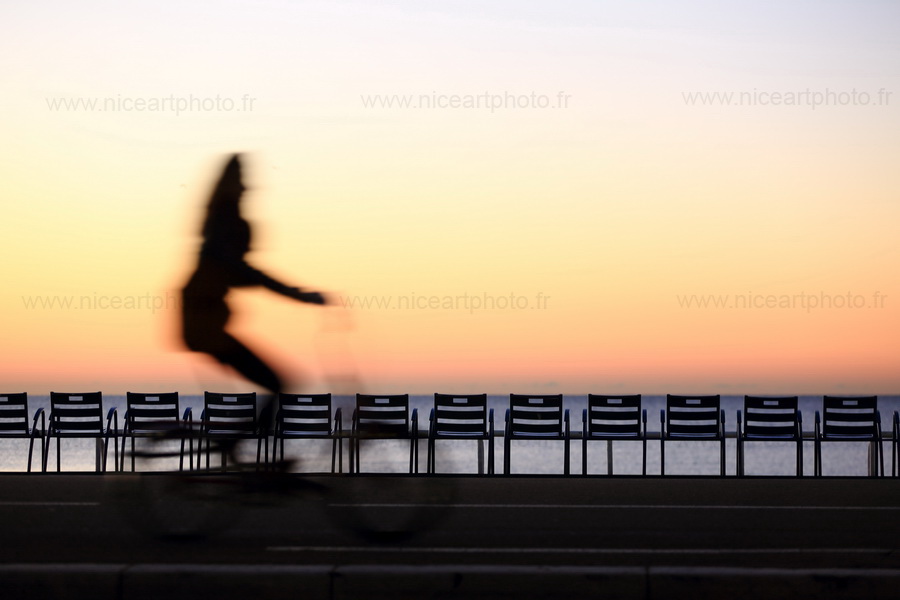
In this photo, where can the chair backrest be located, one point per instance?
(384, 415)
(853, 416)
(614, 415)
(771, 417)
(305, 413)
(151, 412)
(230, 413)
(76, 413)
(460, 414)
(14, 414)
(536, 415)
(693, 415)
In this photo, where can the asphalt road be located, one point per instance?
(387, 520)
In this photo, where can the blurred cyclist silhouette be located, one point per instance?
(220, 267)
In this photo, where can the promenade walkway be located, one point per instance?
(68, 536)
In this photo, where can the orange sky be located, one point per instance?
(594, 205)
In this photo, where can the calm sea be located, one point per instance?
(540, 457)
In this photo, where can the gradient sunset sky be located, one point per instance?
(591, 174)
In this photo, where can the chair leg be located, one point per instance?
(893, 460)
(44, 454)
(566, 458)
(30, 452)
(817, 460)
(506, 458)
(722, 459)
(644, 459)
(662, 455)
(584, 447)
(799, 458)
(351, 458)
(43, 449)
(333, 452)
(609, 457)
(58, 454)
(490, 456)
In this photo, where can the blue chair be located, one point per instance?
(536, 417)
(613, 418)
(384, 417)
(461, 417)
(308, 417)
(228, 418)
(850, 419)
(692, 418)
(769, 420)
(14, 422)
(155, 416)
(80, 415)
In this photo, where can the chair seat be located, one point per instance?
(849, 437)
(478, 435)
(230, 433)
(154, 431)
(613, 436)
(530, 436)
(788, 437)
(306, 434)
(693, 436)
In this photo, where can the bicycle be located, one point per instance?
(199, 505)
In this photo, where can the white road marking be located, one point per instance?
(612, 506)
(658, 551)
(38, 503)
